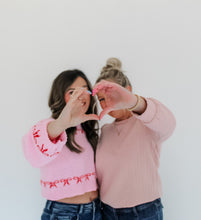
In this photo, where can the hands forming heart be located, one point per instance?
(115, 97)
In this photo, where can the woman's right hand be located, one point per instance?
(72, 114)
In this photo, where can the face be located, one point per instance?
(84, 98)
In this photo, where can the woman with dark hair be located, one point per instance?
(127, 156)
(63, 147)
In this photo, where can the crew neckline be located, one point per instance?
(123, 121)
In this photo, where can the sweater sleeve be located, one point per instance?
(38, 149)
(158, 118)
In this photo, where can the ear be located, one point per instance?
(129, 88)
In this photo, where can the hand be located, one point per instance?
(72, 114)
(115, 96)
(74, 111)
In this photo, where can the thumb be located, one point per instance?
(90, 117)
(104, 112)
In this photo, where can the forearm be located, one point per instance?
(55, 129)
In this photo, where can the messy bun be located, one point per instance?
(113, 71)
(112, 63)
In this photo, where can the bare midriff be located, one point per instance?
(81, 199)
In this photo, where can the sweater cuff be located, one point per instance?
(42, 141)
(149, 113)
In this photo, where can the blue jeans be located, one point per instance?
(147, 211)
(63, 211)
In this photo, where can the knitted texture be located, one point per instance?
(63, 173)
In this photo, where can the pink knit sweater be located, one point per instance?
(127, 158)
(63, 173)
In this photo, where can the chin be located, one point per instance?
(115, 114)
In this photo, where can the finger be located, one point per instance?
(71, 92)
(104, 112)
(78, 92)
(103, 85)
(83, 91)
(84, 94)
(90, 117)
(99, 86)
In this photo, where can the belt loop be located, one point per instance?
(114, 212)
(81, 209)
(135, 211)
(49, 205)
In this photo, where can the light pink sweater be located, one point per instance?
(63, 173)
(127, 158)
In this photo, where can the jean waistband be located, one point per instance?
(73, 208)
(135, 209)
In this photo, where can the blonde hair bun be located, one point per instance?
(112, 70)
(113, 63)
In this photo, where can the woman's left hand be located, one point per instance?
(116, 97)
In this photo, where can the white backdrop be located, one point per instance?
(159, 44)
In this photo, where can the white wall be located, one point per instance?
(159, 44)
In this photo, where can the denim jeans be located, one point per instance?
(147, 211)
(62, 211)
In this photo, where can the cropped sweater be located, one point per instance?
(127, 157)
(63, 173)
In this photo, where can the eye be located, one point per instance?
(101, 99)
(71, 92)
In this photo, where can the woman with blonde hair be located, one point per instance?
(127, 157)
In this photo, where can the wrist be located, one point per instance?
(53, 130)
(137, 99)
(61, 124)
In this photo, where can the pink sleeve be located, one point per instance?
(38, 148)
(158, 118)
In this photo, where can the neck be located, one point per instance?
(127, 114)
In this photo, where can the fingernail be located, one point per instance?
(93, 92)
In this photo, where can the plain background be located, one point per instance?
(159, 45)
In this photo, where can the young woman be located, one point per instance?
(127, 157)
(63, 147)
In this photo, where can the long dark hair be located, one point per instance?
(57, 102)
